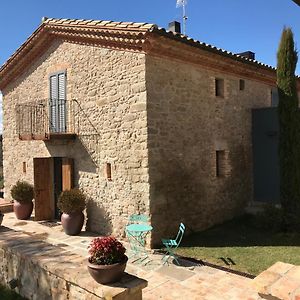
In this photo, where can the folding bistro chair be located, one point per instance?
(171, 245)
(138, 219)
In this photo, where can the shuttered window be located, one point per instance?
(58, 113)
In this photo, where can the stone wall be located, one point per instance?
(42, 271)
(187, 124)
(110, 86)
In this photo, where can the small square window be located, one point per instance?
(242, 84)
(219, 87)
(274, 97)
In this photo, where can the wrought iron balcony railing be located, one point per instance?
(58, 119)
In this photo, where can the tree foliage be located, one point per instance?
(289, 130)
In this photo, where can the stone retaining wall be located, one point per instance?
(44, 271)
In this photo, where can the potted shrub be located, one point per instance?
(107, 259)
(71, 203)
(22, 193)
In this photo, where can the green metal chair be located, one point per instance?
(138, 219)
(171, 245)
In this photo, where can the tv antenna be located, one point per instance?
(183, 3)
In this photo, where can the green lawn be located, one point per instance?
(252, 250)
(6, 294)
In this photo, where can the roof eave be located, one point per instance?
(120, 38)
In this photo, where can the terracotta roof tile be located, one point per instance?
(153, 28)
(100, 23)
(185, 39)
(131, 26)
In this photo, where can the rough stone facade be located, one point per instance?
(110, 86)
(178, 152)
(187, 124)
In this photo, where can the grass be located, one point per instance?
(6, 294)
(251, 250)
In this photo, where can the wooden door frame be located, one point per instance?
(44, 184)
(43, 188)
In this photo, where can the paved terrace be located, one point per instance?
(190, 281)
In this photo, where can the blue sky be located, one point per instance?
(234, 25)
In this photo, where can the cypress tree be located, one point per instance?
(289, 130)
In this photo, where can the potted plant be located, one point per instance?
(107, 259)
(22, 193)
(71, 203)
(1, 217)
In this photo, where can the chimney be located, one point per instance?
(44, 19)
(175, 27)
(248, 54)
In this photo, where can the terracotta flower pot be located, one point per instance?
(23, 210)
(107, 273)
(72, 223)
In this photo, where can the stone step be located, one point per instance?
(280, 281)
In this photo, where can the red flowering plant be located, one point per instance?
(106, 251)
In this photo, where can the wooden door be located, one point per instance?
(43, 188)
(67, 173)
(57, 184)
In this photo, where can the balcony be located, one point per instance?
(47, 119)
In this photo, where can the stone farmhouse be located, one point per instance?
(142, 119)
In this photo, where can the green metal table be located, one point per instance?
(136, 234)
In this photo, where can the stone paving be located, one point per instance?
(280, 281)
(169, 282)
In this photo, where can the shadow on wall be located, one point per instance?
(100, 222)
(186, 191)
(74, 149)
(97, 218)
(177, 192)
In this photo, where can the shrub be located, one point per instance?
(271, 218)
(71, 201)
(106, 251)
(289, 130)
(22, 192)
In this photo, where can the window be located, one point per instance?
(108, 171)
(57, 102)
(242, 84)
(220, 163)
(274, 97)
(24, 167)
(219, 87)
